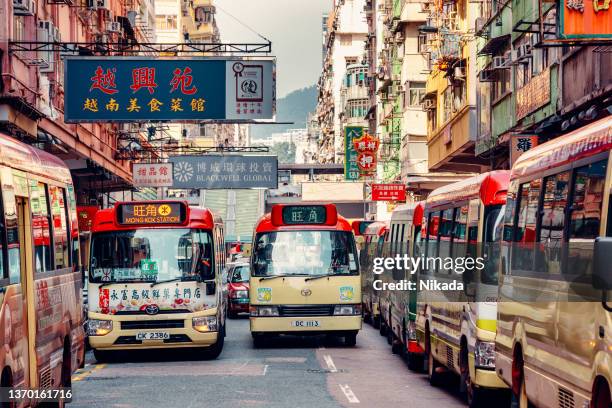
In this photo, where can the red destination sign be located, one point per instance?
(388, 192)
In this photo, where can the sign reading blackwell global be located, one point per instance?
(225, 172)
(128, 89)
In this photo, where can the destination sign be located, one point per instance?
(304, 214)
(151, 213)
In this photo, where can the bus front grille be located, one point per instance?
(305, 310)
(152, 324)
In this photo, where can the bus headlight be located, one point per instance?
(347, 310)
(204, 324)
(484, 354)
(99, 327)
(264, 311)
(240, 294)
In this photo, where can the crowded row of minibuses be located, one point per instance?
(154, 275)
(535, 319)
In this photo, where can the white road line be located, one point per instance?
(349, 394)
(330, 363)
(265, 369)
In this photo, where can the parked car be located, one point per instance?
(238, 289)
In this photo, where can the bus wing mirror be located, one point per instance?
(602, 259)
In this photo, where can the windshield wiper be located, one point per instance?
(165, 281)
(103, 284)
(280, 276)
(327, 275)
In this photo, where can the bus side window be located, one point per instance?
(552, 221)
(60, 227)
(445, 238)
(74, 230)
(585, 216)
(4, 270)
(41, 227)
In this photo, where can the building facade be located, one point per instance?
(32, 83)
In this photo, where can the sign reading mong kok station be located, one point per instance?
(128, 89)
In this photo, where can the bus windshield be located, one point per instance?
(240, 274)
(150, 255)
(305, 253)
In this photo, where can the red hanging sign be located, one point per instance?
(388, 192)
(367, 147)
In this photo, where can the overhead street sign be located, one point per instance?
(225, 172)
(129, 89)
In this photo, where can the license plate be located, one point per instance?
(305, 323)
(152, 336)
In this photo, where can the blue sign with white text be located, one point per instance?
(131, 89)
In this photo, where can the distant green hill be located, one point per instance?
(294, 107)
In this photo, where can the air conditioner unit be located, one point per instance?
(400, 88)
(46, 32)
(459, 73)
(429, 104)
(523, 52)
(113, 26)
(23, 7)
(499, 62)
(425, 7)
(487, 75)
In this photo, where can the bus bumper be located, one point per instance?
(488, 379)
(122, 339)
(324, 324)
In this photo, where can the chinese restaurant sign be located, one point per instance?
(127, 89)
(519, 144)
(152, 175)
(351, 170)
(225, 172)
(586, 19)
(388, 192)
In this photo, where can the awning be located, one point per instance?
(494, 44)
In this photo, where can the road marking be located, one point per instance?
(265, 370)
(330, 363)
(82, 374)
(349, 394)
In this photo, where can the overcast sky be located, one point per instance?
(293, 26)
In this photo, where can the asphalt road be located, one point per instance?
(288, 372)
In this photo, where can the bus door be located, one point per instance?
(24, 223)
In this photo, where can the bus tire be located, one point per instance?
(432, 365)
(375, 319)
(6, 380)
(350, 339)
(382, 327)
(415, 362)
(213, 351)
(473, 395)
(601, 394)
(258, 340)
(519, 388)
(102, 356)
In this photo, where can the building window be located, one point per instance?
(166, 22)
(416, 91)
(19, 28)
(350, 60)
(447, 103)
(203, 15)
(422, 43)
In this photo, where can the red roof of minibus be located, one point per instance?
(27, 158)
(490, 187)
(265, 225)
(377, 228)
(584, 142)
(198, 218)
